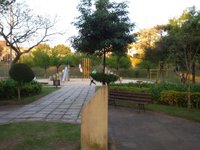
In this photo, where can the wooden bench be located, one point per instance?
(139, 98)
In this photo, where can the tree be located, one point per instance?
(21, 73)
(147, 65)
(116, 63)
(22, 28)
(41, 57)
(106, 28)
(184, 33)
(27, 59)
(55, 60)
(145, 44)
(61, 50)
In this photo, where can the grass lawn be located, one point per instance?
(40, 136)
(193, 114)
(26, 100)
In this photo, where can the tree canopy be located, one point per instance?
(61, 50)
(107, 25)
(105, 28)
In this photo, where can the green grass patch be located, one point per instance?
(40, 136)
(26, 100)
(193, 114)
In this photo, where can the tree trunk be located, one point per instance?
(19, 92)
(45, 72)
(104, 60)
(118, 59)
(104, 63)
(193, 73)
(15, 60)
(57, 67)
(148, 72)
(188, 90)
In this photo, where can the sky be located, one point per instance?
(144, 13)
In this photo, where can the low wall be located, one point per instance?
(94, 122)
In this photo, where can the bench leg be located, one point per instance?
(141, 106)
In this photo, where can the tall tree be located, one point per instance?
(41, 57)
(19, 26)
(184, 33)
(105, 28)
(61, 50)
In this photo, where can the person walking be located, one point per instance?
(91, 79)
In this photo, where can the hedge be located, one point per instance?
(179, 98)
(132, 89)
(8, 89)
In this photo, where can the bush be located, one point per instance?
(8, 89)
(179, 98)
(157, 89)
(21, 73)
(104, 78)
(31, 88)
(132, 89)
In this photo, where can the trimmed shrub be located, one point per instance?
(21, 73)
(104, 78)
(179, 98)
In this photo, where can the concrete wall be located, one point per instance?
(94, 122)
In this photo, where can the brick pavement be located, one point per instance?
(63, 105)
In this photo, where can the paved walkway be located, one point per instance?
(131, 130)
(63, 105)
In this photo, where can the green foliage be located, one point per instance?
(27, 59)
(179, 98)
(21, 73)
(108, 25)
(118, 62)
(145, 64)
(104, 78)
(157, 89)
(131, 89)
(183, 39)
(72, 59)
(133, 73)
(8, 89)
(61, 50)
(41, 58)
(31, 88)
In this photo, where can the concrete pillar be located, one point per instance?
(94, 122)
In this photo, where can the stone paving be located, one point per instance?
(63, 105)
